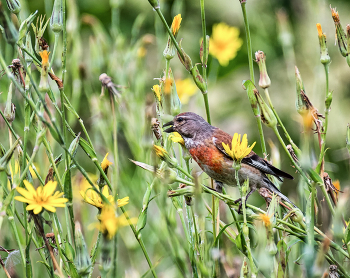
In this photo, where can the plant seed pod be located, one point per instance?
(56, 20)
(187, 62)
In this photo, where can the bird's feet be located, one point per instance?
(240, 205)
(218, 186)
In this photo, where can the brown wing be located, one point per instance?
(251, 159)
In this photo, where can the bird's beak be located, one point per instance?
(170, 129)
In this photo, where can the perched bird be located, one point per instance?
(204, 142)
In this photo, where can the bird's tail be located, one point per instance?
(275, 190)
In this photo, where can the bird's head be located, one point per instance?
(188, 124)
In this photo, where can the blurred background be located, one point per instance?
(128, 45)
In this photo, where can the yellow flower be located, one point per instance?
(319, 29)
(266, 219)
(93, 198)
(160, 152)
(123, 202)
(185, 89)
(156, 90)
(41, 197)
(44, 57)
(177, 138)
(224, 43)
(110, 222)
(239, 149)
(105, 163)
(175, 26)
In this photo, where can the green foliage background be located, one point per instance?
(284, 30)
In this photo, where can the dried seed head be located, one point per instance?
(108, 83)
(335, 15)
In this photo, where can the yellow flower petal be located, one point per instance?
(175, 26)
(49, 208)
(29, 187)
(37, 209)
(105, 163)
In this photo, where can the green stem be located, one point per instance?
(54, 50)
(295, 147)
(206, 102)
(251, 71)
(296, 165)
(15, 232)
(94, 251)
(320, 164)
(140, 242)
(21, 145)
(249, 41)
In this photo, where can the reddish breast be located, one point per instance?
(207, 156)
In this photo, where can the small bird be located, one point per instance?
(204, 143)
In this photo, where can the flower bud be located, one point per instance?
(325, 59)
(186, 61)
(44, 81)
(56, 20)
(297, 215)
(14, 6)
(341, 37)
(11, 34)
(267, 115)
(170, 49)
(5, 159)
(167, 176)
(82, 259)
(264, 81)
(164, 155)
(10, 108)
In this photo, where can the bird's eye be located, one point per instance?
(180, 119)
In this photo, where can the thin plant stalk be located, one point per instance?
(320, 164)
(295, 148)
(140, 242)
(251, 71)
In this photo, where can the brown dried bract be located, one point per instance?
(156, 130)
(330, 188)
